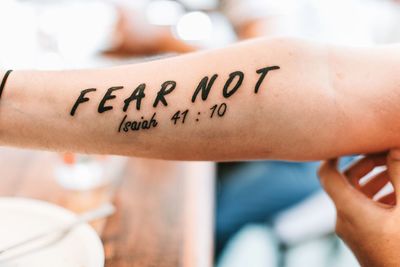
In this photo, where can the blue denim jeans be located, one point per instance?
(254, 192)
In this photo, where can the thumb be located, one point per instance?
(347, 199)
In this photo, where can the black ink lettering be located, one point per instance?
(127, 125)
(205, 87)
(219, 110)
(135, 126)
(81, 99)
(263, 73)
(107, 96)
(184, 113)
(176, 116)
(222, 109)
(122, 122)
(166, 88)
(213, 108)
(232, 76)
(137, 95)
(142, 124)
(153, 121)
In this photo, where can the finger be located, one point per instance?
(362, 167)
(389, 199)
(393, 164)
(331, 180)
(346, 198)
(375, 184)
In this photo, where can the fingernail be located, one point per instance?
(395, 153)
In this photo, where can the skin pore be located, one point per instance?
(269, 98)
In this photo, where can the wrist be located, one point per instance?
(15, 106)
(3, 81)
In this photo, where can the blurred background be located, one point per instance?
(266, 213)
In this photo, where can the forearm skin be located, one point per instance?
(302, 109)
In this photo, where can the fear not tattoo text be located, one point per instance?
(231, 85)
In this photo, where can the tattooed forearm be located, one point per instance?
(232, 84)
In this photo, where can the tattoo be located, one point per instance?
(263, 72)
(215, 111)
(166, 88)
(136, 125)
(179, 117)
(108, 96)
(137, 95)
(81, 99)
(205, 87)
(221, 109)
(232, 77)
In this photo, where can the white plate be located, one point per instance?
(23, 218)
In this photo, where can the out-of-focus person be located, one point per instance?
(357, 22)
(134, 34)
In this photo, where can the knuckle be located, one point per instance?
(342, 224)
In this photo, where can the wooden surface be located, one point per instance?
(164, 209)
